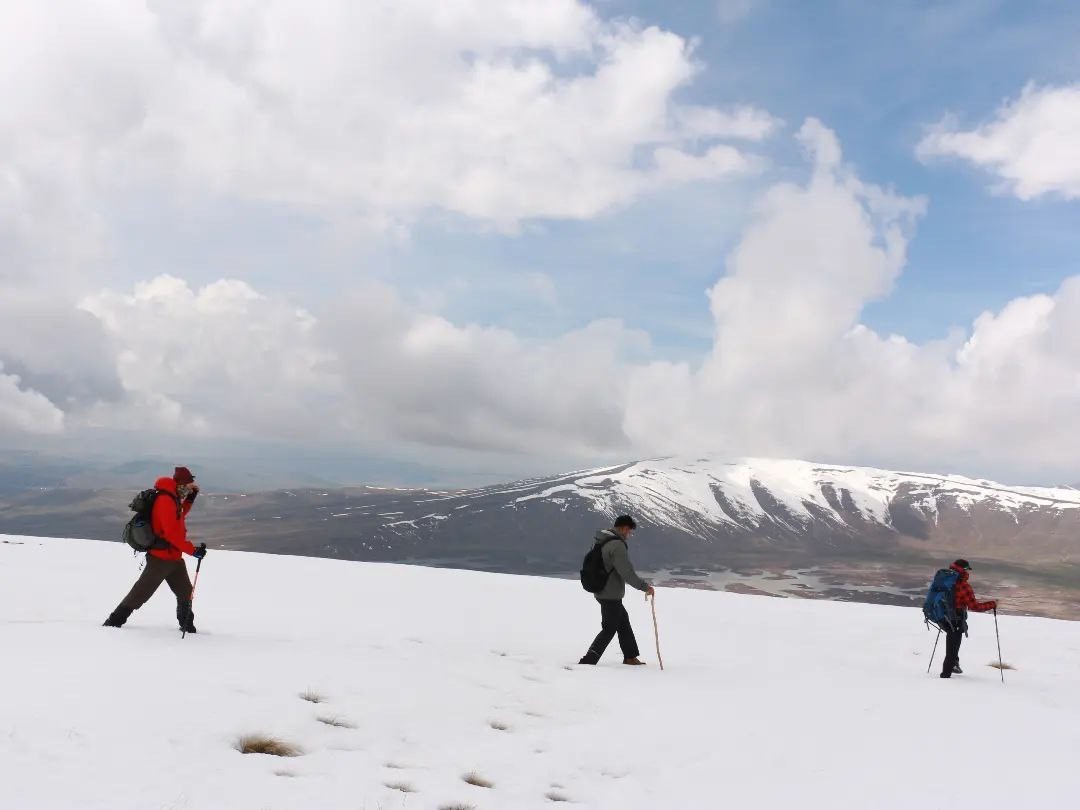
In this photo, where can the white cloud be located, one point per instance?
(1030, 144)
(793, 372)
(226, 360)
(428, 380)
(358, 111)
(26, 411)
(220, 360)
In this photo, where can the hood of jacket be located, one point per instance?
(606, 534)
(166, 484)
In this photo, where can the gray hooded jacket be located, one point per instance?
(617, 561)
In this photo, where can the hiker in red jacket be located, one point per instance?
(172, 504)
(964, 599)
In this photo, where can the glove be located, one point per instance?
(200, 551)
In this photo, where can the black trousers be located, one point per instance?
(952, 651)
(614, 620)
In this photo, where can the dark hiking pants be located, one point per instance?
(952, 651)
(613, 620)
(156, 571)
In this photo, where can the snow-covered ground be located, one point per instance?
(765, 702)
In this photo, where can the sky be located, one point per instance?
(500, 238)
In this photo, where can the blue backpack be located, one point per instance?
(939, 609)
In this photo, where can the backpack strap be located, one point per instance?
(604, 543)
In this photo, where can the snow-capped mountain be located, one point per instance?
(697, 511)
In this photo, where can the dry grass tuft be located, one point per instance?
(457, 806)
(473, 778)
(289, 774)
(498, 725)
(264, 744)
(336, 722)
(1000, 665)
(556, 797)
(312, 697)
(404, 787)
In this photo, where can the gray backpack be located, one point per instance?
(139, 533)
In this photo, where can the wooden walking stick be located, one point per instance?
(656, 632)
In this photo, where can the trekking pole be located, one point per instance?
(198, 565)
(1001, 663)
(937, 638)
(656, 632)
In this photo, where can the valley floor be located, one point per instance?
(438, 674)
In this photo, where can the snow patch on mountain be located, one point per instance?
(689, 494)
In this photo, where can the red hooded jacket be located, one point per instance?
(965, 596)
(168, 525)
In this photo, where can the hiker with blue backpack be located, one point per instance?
(947, 604)
(605, 574)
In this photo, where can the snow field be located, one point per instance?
(765, 702)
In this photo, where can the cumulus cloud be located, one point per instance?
(426, 379)
(220, 360)
(227, 360)
(58, 351)
(792, 370)
(1029, 145)
(24, 410)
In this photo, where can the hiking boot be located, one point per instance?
(185, 617)
(945, 675)
(117, 618)
(957, 671)
(633, 662)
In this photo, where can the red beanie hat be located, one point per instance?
(183, 476)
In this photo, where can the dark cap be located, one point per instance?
(625, 520)
(183, 476)
(963, 564)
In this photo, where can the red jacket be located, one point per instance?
(965, 596)
(168, 524)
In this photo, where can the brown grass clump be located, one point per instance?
(264, 744)
(312, 697)
(336, 722)
(404, 787)
(499, 725)
(1000, 665)
(473, 778)
(556, 797)
(457, 806)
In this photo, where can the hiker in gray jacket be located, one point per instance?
(613, 616)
